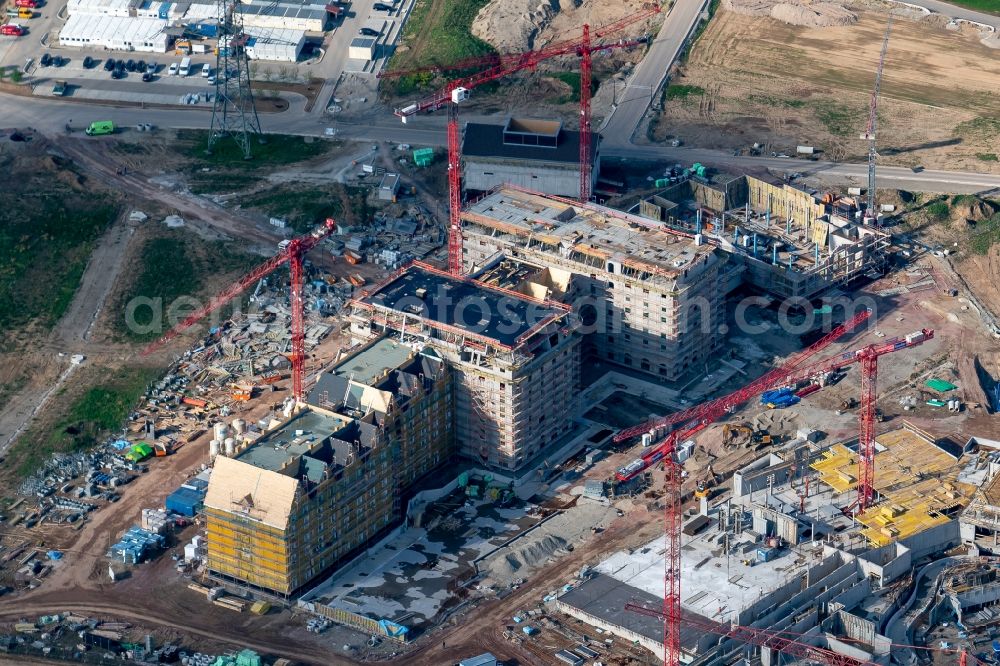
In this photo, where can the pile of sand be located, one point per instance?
(795, 12)
(512, 25)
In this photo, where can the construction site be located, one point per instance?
(535, 407)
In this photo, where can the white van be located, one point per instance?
(185, 67)
(206, 71)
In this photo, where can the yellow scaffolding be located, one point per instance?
(916, 479)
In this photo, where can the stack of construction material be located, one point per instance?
(156, 521)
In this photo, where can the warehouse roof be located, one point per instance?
(605, 598)
(542, 141)
(503, 316)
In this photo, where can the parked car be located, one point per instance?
(117, 73)
(46, 60)
(88, 62)
(151, 67)
(59, 61)
(382, 7)
(146, 77)
(109, 65)
(120, 64)
(130, 65)
(368, 32)
(173, 69)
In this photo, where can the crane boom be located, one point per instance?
(291, 254)
(768, 638)
(773, 378)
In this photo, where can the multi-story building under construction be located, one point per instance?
(313, 491)
(515, 359)
(649, 298)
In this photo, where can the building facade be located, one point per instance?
(648, 299)
(515, 359)
(535, 154)
(314, 491)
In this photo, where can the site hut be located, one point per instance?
(538, 155)
(649, 299)
(515, 358)
(362, 48)
(285, 15)
(314, 491)
(784, 240)
(143, 35)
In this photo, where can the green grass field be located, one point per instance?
(47, 232)
(83, 420)
(305, 208)
(986, 6)
(173, 265)
(438, 33)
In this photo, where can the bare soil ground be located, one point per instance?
(782, 85)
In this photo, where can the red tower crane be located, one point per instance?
(764, 382)
(491, 68)
(763, 637)
(293, 254)
(699, 417)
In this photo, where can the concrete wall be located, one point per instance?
(934, 540)
(886, 564)
(560, 179)
(656, 647)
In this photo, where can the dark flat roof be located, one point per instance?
(483, 140)
(605, 597)
(465, 304)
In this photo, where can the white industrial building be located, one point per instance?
(277, 45)
(119, 8)
(284, 15)
(115, 33)
(362, 48)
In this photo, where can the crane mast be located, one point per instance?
(293, 255)
(869, 134)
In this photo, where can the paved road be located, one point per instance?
(647, 78)
(51, 117)
(954, 11)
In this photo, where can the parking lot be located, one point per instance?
(329, 59)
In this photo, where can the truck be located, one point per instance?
(182, 47)
(31, 4)
(185, 67)
(11, 30)
(59, 89)
(100, 128)
(20, 12)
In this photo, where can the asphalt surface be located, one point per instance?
(648, 77)
(53, 116)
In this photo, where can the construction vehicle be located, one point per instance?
(732, 433)
(701, 490)
(182, 47)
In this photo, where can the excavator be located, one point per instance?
(733, 434)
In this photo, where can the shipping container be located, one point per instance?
(185, 502)
(854, 191)
(194, 402)
(805, 150)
